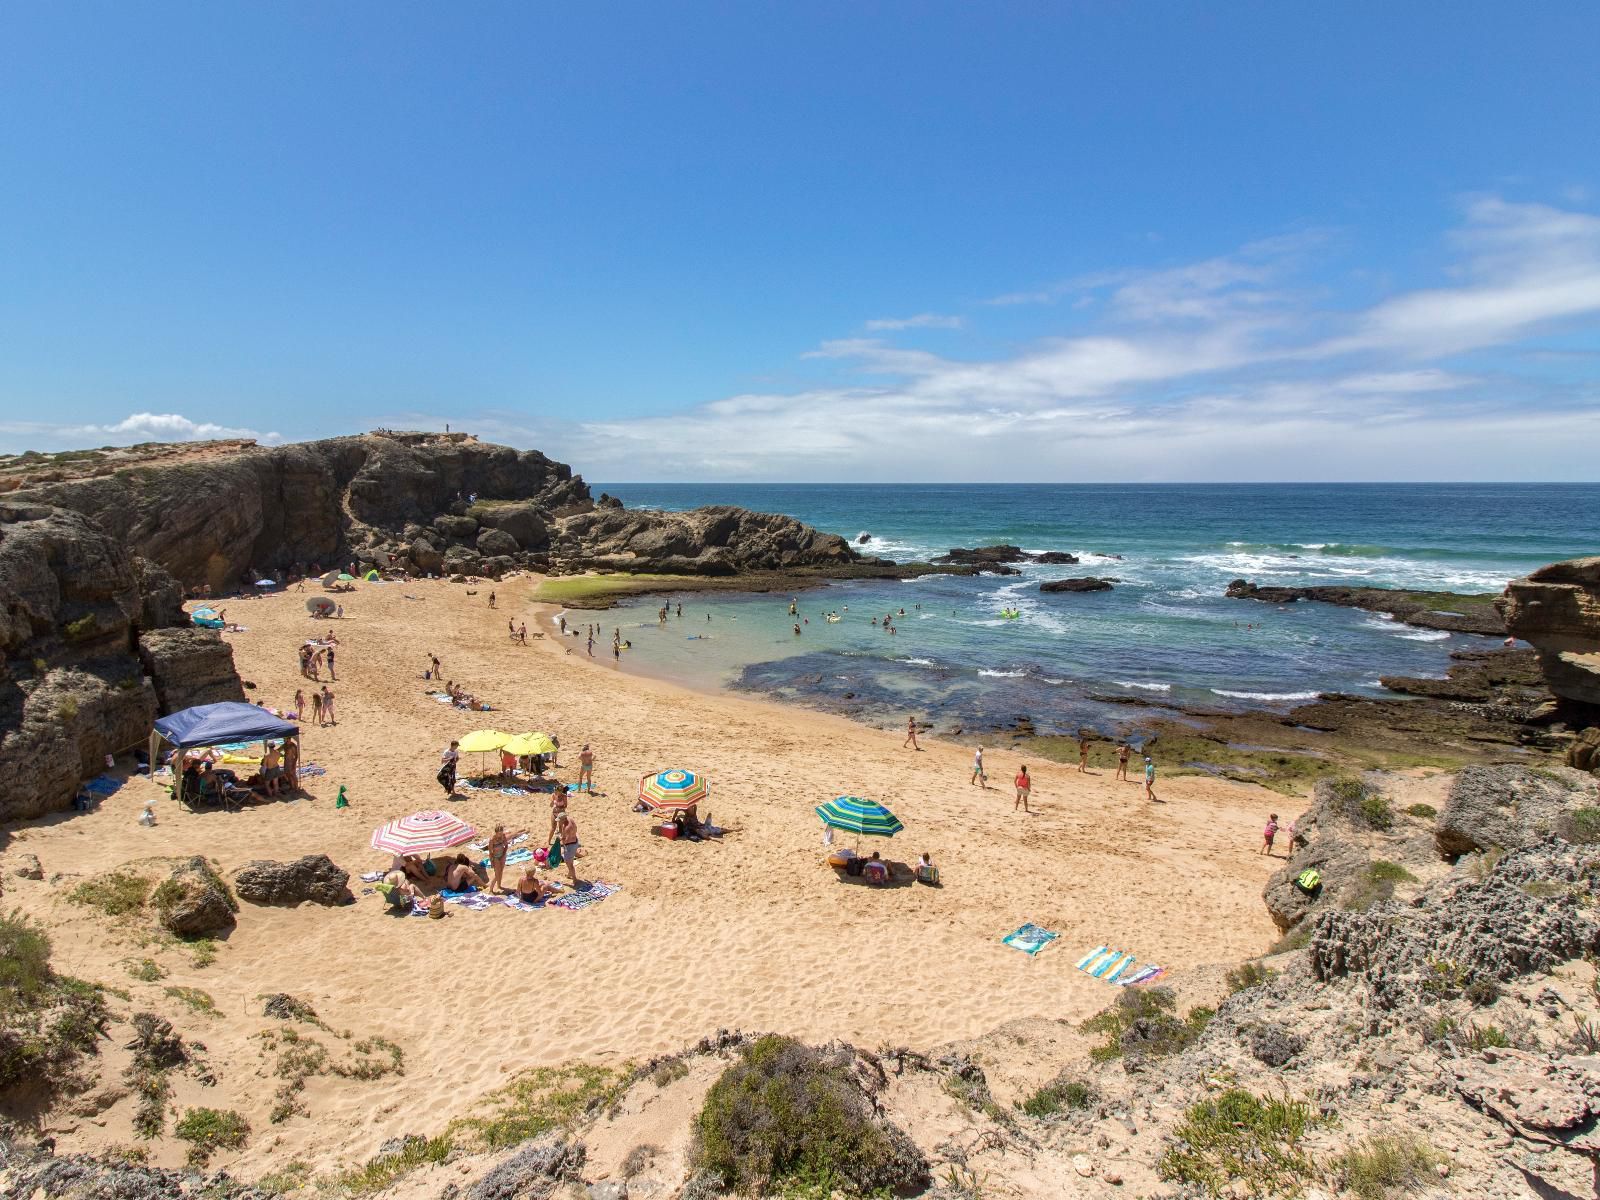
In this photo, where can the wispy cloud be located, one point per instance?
(920, 321)
(1228, 367)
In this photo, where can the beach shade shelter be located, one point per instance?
(206, 618)
(858, 816)
(266, 583)
(331, 578)
(427, 832)
(525, 744)
(371, 576)
(483, 741)
(320, 606)
(217, 725)
(670, 791)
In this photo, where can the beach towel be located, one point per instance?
(1083, 962)
(585, 896)
(1112, 963)
(372, 876)
(1143, 975)
(1123, 966)
(1097, 960)
(1029, 938)
(310, 769)
(103, 785)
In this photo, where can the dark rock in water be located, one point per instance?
(719, 540)
(315, 878)
(1086, 583)
(193, 901)
(863, 539)
(1055, 558)
(1557, 610)
(995, 568)
(1466, 614)
(533, 1170)
(1508, 807)
(984, 554)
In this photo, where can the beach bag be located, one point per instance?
(553, 858)
(1309, 880)
(541, 856)
(446, 777)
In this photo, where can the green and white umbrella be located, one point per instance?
(855, 815)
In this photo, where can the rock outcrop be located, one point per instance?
(315, 878)
(1509, 807)
(1556, 610)
(1427, 610)
(983, 557)
(193, 901)
(719, 540)
(188, 667)
(1086, 583)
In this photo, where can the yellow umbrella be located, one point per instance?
(530, 743)
(481, 741)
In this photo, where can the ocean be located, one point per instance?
(1165, 635)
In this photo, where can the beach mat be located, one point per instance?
(103, 785)
(585, 896)
(1120, 967)
(1029, 938)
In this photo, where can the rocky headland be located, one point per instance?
(1450, 611)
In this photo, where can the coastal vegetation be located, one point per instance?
(48, 1022)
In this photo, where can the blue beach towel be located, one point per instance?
(103, 785)
(1084, 962)
(1029, 938)
(1130, 961)
(1098, 960)
(585, 896)
(1114, 962)
(1143, 975)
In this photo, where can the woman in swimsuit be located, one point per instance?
(499, 844)
(531, 889)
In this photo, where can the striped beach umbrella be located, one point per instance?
(667, 791)
(422, 833)
(856, 815)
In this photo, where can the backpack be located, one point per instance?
(1308, 880)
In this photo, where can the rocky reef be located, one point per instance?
(1449, 611)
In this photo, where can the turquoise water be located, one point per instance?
(1165, 634)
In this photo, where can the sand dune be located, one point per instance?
(751, 932)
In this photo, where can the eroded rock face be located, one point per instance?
(1556, 609)
(1507, 807)
(193, 901)
(1341, 865)
(315, 878)
(189, 666)
(718, 540)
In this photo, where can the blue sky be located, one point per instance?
(815, 242)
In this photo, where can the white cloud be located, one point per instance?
(1219, 369)
(920, 321)
(136, 427)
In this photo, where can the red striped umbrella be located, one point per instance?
(669, 791)
(422, 833)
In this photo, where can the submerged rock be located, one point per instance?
(1087, 583)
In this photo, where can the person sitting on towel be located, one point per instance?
(412, 867)
(531, 889)
(462, 875)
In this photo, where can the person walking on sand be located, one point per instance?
(327, 706)
(1122, 760)
(1269, 833)
(1150, 780)
(586, 769)
(522, 633)
(299, 703)
(499, 844)
(1083, 752)
(911, 734)
(447, 768)
(978, 776)
(1024, 787)
(567, 831)
(491, 605)
(591, 645)
(316, 706)
(434, 659)
(558, 809)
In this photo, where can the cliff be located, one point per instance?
(1556, 610)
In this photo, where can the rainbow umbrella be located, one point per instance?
(855, 815)
(668, 791)
(422, 833)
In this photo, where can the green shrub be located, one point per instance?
(1361, 803)
(114, 894)
(47, 1021)
(1297, 938)
(1241, 1138)
(291, 1177)
(25, 974)
(83, 627)
(382, 1170)
(669, 1072)
(67, 710)
(197, 1000)
(1582, 826)
(147, 970)
(1382, 1167)
(1059, 1095)
(1143, 1022)
(1248, 975)
(1482, 992)
(208, 1130)
(786, 1114)
(1482, 1037)
(1426, 811)
(539, 1100)
(1375, 884)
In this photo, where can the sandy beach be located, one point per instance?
(749, 932)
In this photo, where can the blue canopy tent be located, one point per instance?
(217, 725)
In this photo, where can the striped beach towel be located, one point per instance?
(585, 896)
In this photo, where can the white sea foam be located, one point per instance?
(1002, 674)
(1265, 695)
(1424, 635)
(1143, 687)
(921, 662)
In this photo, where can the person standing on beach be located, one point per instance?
(491, 605)
(291, 763)
(447, 768)
(586, 769)
(1083, 751)
(1269, 834)
(680, 610)
(591, 644)
(616, 652)
(316, 706)
(558, 809)
(1024, 787)
(1122, 760)
(1150, 779)
(911, 734)
(978, 776)
(434, 659)
(567, 831)
(327, 705)
(299, 703)
(499, 845)
(522, 633)
(331, 675)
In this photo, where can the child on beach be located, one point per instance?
(316, 707)
(978, 776)
(1270, 832)
(1024, 786)
(1149, 779)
